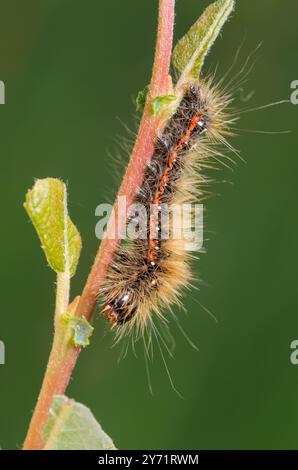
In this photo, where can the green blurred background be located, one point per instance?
(71, 70)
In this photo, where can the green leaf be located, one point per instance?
(82, 330)
(159, 102)
(190, 52)
(72, 426)
(141, 99)
(46, 205)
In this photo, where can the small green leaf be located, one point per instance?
(46, 205)
(141, 99)
(159, 102)
(72, 426)
(190, 52)
(82, 330)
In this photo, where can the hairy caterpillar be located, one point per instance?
(149, 274)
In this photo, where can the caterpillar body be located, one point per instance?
(149, 274)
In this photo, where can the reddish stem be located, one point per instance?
(141, 153)
(60, 366)
(64, 356)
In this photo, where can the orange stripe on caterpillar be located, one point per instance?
(164, 180)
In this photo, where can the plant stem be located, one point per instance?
(62, 360)
(141, 154)
(63, 356)
(62, 294)
(60, 365)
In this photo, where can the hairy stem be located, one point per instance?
(59, 369)
(64, 355)
(62, 294)
(62, 360)
(141, 153)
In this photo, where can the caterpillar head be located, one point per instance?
(120, 309)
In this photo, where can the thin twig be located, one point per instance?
(64, 355)
(141, 153)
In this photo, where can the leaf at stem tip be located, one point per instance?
(46, 205)
(159, 102)
(190, 52)
(82, 330)
(72, 426)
